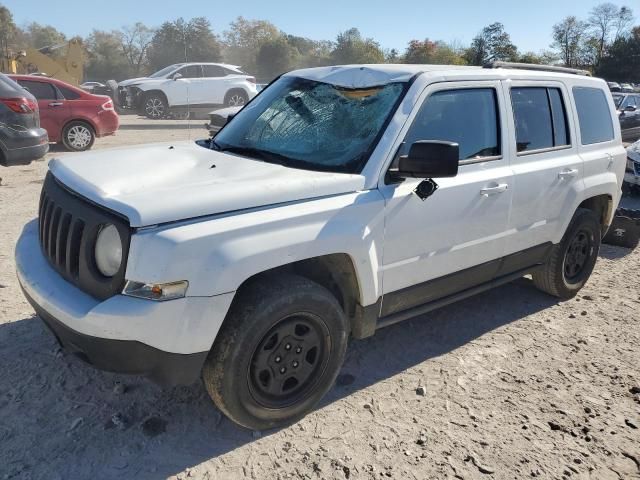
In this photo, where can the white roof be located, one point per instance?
(364, 76)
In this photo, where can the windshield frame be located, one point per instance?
(358, 167)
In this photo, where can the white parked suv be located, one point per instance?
(187, 88)
(339, 201)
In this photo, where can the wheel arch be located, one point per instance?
(335, 272)
(602, 205)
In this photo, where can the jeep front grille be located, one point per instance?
(68, 227)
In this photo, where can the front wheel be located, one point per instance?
(78, 136)
(278, 352)
(155, 106)
(571, 262)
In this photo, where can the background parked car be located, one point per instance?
(614, 86)
(69, 114)
(90, 86)
(632, 172)
(628, 105)
(21, 138)
(187, 88)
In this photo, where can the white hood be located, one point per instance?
(154, 184)
(131, 81)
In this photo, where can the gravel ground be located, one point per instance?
(509, 384)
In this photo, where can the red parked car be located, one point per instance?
(70, 115)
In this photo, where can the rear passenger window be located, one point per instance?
(540, 118)
(593, 114)
(68, 94)
(40, 90)
(468, 117)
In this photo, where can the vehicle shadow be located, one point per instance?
(63, 419)
(611, 252)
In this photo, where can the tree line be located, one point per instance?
(606, 43)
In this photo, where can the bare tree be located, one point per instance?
(135, 40)
(605, 20)
(623, 22)
(569, 38)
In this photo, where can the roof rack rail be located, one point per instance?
(533, 66)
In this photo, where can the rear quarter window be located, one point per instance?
(594, 115)
(68, 94)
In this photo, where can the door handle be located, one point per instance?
(568, 173)
(56, 104)
(494, 190)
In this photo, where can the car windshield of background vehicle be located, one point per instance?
(312, 125)
(617, 99)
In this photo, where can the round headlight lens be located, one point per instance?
(108, 251)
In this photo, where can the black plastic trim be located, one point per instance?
(125, 356)
(59, 206)
(427, 296)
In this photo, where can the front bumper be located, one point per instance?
(166, 341)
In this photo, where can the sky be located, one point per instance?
(392, 23)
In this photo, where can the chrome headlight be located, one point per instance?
(108, 250)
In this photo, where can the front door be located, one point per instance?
(453, 239)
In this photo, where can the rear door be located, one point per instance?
(548, 171)
(54, 109)
(215, 84)
(454, 239)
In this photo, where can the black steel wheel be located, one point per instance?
(278, 352)
(571, 261)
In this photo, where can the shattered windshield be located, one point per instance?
(164, 71)
(307, 124)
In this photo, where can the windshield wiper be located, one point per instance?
(258, 154)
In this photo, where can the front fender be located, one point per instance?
(217, 254)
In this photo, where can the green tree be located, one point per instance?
(244, 39)
(106, 60)
(350, 48)
(39, 36)
(7, 30)
(275, 57)
(492, 43)
(622, 60)
(182, 41)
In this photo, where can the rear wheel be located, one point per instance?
(78, 136)
(571, 262)
(278, 352)
(155, 106)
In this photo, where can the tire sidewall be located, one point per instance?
(584, 220)
(256, 322)
(66, 141)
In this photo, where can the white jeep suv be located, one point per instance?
(187, 88)
(339, 201)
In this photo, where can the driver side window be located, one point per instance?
(191, 71)
(468, 117)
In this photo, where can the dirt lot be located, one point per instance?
(515, 385)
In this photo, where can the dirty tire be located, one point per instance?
(275, 324)
(78, 136)
(571, 262)
(236, 98)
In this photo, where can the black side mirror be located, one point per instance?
(630, 108)
(430, 159)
